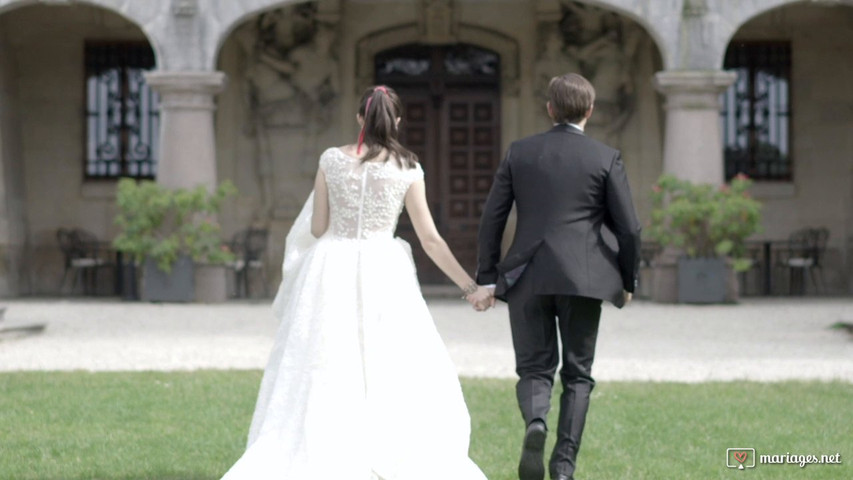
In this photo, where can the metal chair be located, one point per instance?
(805, 253)
(250, 246)
(820, 237)
(648, 252)
(83, 256)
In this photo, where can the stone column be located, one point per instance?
(693, 143)
(188, 148)
(187, 142)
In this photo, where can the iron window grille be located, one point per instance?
(756, 111)
(457, 65)
(122, 117)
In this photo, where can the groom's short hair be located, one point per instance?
(571, 96)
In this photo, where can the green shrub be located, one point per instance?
(704, 220)
(163, 224)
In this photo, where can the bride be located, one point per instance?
(359, 385)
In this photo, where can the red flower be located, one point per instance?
(741, 176)
(656, 188)
(724, 188)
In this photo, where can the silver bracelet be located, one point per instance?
(470, 288)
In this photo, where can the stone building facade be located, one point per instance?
(254, 90)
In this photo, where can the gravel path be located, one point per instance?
(767, 340)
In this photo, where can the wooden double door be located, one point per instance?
(451, 120)
(456, 138)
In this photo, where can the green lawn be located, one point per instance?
(193, 425)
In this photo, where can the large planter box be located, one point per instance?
(667, 279)
(664, 282)
(210, 284)
(702, 280)
(175, 286)
(129, 287)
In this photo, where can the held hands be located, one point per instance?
(482, 298)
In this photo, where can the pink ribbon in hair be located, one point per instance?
(379, 88)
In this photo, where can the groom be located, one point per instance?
(572, 197)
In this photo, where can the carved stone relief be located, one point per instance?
(184, 8)
(290, 89)
(438, 21)
(601, 46)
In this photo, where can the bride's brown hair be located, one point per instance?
(379, 109)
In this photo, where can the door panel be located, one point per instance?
(470, 155)
(451, 100)
(418, 134)
(457, 139)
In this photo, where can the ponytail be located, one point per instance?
(379, 109)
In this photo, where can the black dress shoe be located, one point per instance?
(531, 466)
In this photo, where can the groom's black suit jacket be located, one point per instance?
(571, 192)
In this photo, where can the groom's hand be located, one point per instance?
(482, 298)
(488, 302)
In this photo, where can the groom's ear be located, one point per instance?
(550, 109)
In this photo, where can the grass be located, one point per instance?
(186, 426)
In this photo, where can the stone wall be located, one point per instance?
(46, 46)
(274, 161)
(822, 114)
(13, 234)
(280, 109)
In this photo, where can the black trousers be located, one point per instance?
(537, 321)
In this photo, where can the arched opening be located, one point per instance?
(646, 17)
(76, 115)
(619, 56)
(279, 110)
(786, 123)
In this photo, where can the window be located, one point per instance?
(460, 65)
(756, 111)
(122, 121)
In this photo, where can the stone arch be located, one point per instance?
(661, 19)
(376, 42)
(43, 126)
(818, 37)
(506, 47)
(233, 14)
(141, 14)
(735, 18)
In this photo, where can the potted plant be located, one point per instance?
(708, 227)
(170, 232)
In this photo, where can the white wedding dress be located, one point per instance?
(359, 385)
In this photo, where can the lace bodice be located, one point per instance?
(365, 199)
